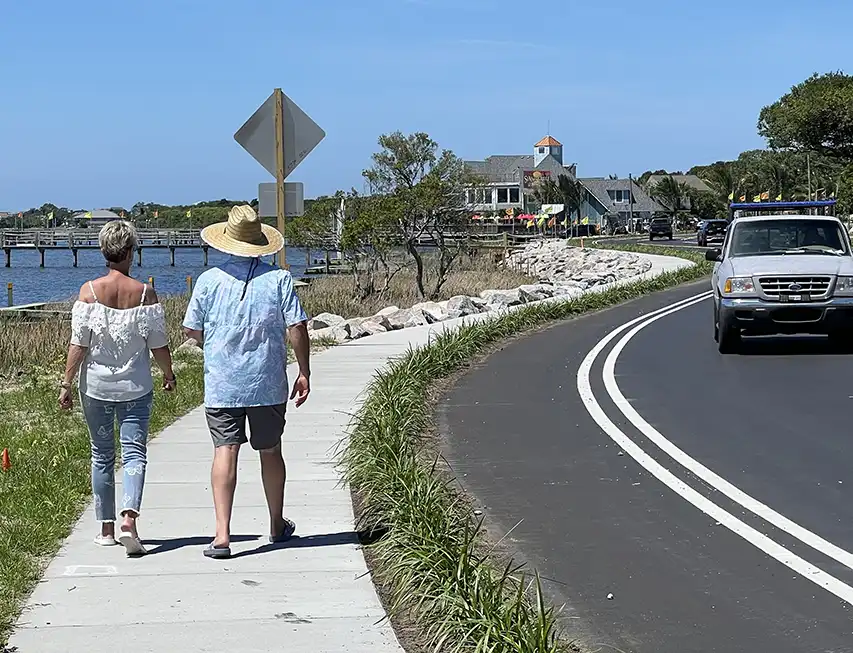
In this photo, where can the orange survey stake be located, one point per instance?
(6, 463)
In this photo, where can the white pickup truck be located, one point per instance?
(782, 274)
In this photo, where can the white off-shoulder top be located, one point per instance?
(116, 366)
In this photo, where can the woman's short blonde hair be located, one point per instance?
(117, 239)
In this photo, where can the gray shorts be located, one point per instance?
(228, 425)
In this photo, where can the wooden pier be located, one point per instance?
(73, 240)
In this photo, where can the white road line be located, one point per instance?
(714, 480)
(754, 537)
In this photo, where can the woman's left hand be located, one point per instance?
(65, 400)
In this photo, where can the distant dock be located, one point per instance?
(73, 240)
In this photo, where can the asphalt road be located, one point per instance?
(679, 241)
(717, 509)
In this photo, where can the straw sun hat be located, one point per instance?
(243, 234)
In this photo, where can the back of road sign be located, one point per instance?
(301, 135)
(294, 199)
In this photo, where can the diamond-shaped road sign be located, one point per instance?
(294, 199)
(301, 135)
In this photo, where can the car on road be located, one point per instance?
(660, 228)
(710, 231)
(782, 274)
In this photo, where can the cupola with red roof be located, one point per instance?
(547, 146)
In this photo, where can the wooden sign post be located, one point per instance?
(279, 172)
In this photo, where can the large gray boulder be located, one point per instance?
(338, 334)
(502, 298)
(433, 311)
(360, 327)
(404, 318)
(462, 306)
(535, 292)
(325, 320)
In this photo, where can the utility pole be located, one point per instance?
(809, 168)
(630, 203)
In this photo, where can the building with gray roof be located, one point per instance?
(509, 181)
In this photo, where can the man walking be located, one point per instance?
(243, 311)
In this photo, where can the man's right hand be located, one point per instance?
(301, 390)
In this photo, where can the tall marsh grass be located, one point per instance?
(470, 276)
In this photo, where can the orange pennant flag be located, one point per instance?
(6, 463)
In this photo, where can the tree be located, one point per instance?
(816, 115)
(721, 177)
(368, 240)
(671, 194)
(425, 194)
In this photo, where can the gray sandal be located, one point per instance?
(217, 552)
(286, 533)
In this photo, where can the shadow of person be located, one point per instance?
(164, 546)
(297, 542)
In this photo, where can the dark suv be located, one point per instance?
(711, 230)
(660, 228)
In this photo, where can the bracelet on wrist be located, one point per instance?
(65, 385)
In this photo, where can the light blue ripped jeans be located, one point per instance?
(132, 417)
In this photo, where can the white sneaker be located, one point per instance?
(105, 540)
(133, 545)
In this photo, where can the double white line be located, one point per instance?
(754, 537)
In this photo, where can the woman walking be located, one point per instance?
(115, 322)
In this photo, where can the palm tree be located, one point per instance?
(671, 194)
(572, 192)
(721, 177)
(778, 178)
(547, 192)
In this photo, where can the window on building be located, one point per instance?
(621, 196)
(508, 195)
(541, 150)
(479, 196)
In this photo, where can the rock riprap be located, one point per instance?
(563, 271)
(559, 264)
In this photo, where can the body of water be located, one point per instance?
(59, 281)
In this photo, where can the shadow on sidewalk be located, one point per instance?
(297, 542)
(164, 546)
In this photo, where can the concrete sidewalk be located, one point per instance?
(310, 594)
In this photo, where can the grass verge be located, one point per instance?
(433, 561)
(48, 486)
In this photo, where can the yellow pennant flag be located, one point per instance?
(189, 213)
(541, 221)
(530, 224)
(565, 222)
(585, 221)
(779, 197)
(756, 198)
(88, 215)
(731, 196)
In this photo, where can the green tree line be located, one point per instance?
(809, 131)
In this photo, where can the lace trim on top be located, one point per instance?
(96, 321)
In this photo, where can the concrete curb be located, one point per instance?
(312, 594)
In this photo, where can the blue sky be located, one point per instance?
(108, 103)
